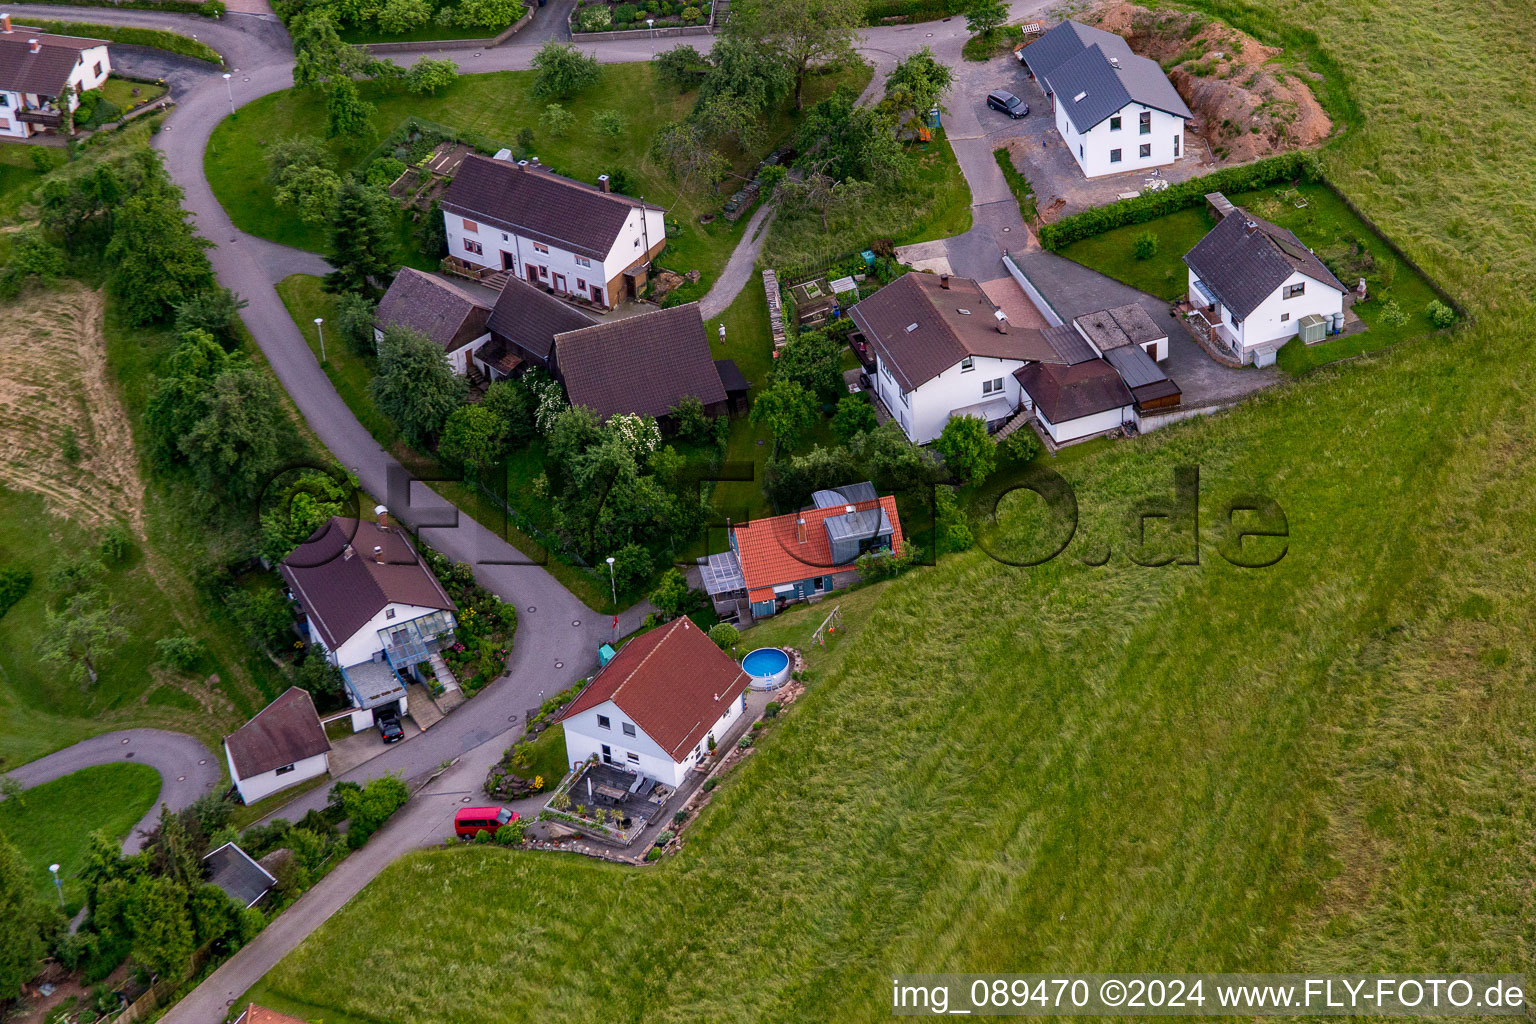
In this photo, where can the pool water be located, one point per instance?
(768, 667)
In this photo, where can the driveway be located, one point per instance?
(188, 770)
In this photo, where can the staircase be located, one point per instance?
(441, 671)
(496, 281)
(720, 14)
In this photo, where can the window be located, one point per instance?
(629, 730)
(5, 99)
(284, 770)
(470, 245)
(904, 400)
(1114, 123)
(471, 226)
(581, 285)
(603, 723)
(1176, 140)
(541, 247)
(389, 613)
(967, 364)
(1146, 150)
(582, 261)
(637, 243)
(1293, 290)
(1080, 150)
(1284, 317)
(632, 757)
(543, 271)
(96, 70)
(1146, 122)
(990, 386)
(607, 754)
(1114, 156)
(504, 236)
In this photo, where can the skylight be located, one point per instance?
(911, 328)
(1080, 97)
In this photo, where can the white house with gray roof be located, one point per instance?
(1115, 111)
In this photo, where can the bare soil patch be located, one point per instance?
(63, 433)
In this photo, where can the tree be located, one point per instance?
(154, 911)
(843, 140)
(787, 409)
(610, 124)
(671, 594)
(682, 148)
(354, 322)
(21, 944)
(631, 567)
(557, 121)
(319, 55)
(347, 114)
(967, 448)
(745, 75)
(854, 416)
(563, 71)
(214, 310)
(724, 635)
(156, 260)
(800, 33)
(77, 638)
(985, 16)
(693, 425)
(179, 651)
(681, 67)
(399, 16)
(362, 245)
(427, 76)
(474, 437)
(304, 504)
(237, 441)
(722, 119)
(415, 386)
(914, 87)
(814, 361)
(303, 179)
(512, 402)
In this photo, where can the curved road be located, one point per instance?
(187, 769)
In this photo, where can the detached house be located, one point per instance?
(1115, 111)
(282, 746)
(1255, 281)
(42, 77)
(373, 608)
(438, 309)
(657, 705)
(554, 232)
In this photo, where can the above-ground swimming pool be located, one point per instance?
(768, 667)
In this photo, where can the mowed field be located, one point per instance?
(1321, 765)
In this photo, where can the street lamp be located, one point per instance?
(56, 883)
(231, 90)
(650, 25)
(320, 326)
(614, 585)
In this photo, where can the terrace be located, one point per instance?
(607, 802)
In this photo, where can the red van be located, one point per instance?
(470, 820)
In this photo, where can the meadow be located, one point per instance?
(1321, 765)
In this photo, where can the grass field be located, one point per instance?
(498, 105)
(1322, 765)
(52, 823)
(19, 175)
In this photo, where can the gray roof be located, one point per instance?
(1066, 41)
(1243, 259)
(1070, 346)
(1123, 325)
(1135, 367)
(374, 683)
(1090, 88)
(847, 494)
(242, 879)
(441, 311)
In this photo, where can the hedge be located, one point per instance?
(1152, 205)
(152, 37)
(210, 9)
(880, 11)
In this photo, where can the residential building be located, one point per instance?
(554, 232)
(524, 323)
(282, 746)
(241, 878)
(1254, 281)
(1114, 110)
(774, 562)
(656, 707)
(643, 364)
(438, 309)
(1077, 401)
(42, 77)
(373, 608)
(943, 349)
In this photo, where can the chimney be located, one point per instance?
(944, 281)
(534, 160)
(5, 23)
(381, 516)
(378, 554)
(34, 46)
(1002, 322)
(347, 553)
(800, 529)
(522, 165)
(604, 183)
(849, 510)
(1251, 227)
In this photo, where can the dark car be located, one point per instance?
(1008, 103)
(389, 727)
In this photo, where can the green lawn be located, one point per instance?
(121, 93)
(52, 823)
(1325, 224)
(549, 759)
(498, 105)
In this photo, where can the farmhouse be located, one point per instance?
(524, 323)
(943, 349)
(1255, 281)
(42, 77)
(557, 233)
(282, 746)
(642, 364)
(775, 562)
(1115, 111)
(374, 609)
(657, 706)
(438, 309)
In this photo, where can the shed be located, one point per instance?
(1312, 328)
(242, 879)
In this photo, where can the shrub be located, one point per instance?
(1392, 314)
(679, 817)
(1440, 315)
(773, 709)
(664, 837)
(510, 834)
(1022, 445)
(556, 120)
(709, 784)
(654, 853)
(482, 837)
(594, 19)
(179, 652)
(625, 13)
(692, 15)
(1145, 246)
(724, 635)
(383, 171)
(14, 584)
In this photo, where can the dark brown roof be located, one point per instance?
(496, 353)
(1068, 392)
(539, 204)
(922, 329)
(46, 72)
(673, 682)
(530, 318)
(285, 731)
(643, 364)
(1243, 259)
(442, 311)
(341, 586)
(1120, 326)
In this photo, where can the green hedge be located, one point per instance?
(879, 11)
(151, 37)
(210, 9)
(1151, 205)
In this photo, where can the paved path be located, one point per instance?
(188, 769)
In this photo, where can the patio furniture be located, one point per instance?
(608, 792)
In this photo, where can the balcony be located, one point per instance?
(45, 118)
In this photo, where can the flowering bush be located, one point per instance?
(639, 434)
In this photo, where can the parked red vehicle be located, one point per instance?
(470, 820)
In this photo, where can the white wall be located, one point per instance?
(584, 738)
(92, 70)
(1092, 149)
(12, 128)
(928, 408)
(1275, 318)
(1083, 426)
(267, 783)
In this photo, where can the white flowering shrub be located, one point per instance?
(639, 434)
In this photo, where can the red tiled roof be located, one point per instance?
(673, 682)
(771, 552)
(283, 732)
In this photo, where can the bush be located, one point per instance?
(1440, 315)
(625, 13)
(724, 635)
(179, 652)
(1392, 314)
(1145, 246)
(14, 584)
(692, 15)
(654, 853)
(710, 783)
(1022, 445)
(594, 19)
(679, 817)
(510, 834)
(664, 837)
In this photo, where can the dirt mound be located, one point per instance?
(1246, 105)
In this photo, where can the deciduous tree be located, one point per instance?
(21, 939)
(427, 77)
(801, 33)
(854, 416)
(788, 410)
(985, 16)
(967, 448)
(415, 386)
(563, 71)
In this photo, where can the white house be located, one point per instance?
(1115, 111)
(372, 607)
(657, 705)
(554, 232)
(942, 349)
(282, 746)
(1254, 281)
(41, 75)
(1077, 401)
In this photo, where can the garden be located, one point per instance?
(478, 654)
(601, 16)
